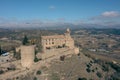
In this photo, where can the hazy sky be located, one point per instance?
(50, 12)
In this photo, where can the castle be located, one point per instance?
(56, 41)
(64, 41)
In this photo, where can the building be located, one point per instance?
(57, 41)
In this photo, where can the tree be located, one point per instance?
(38, 72)
(0, 51)
(25, 40)
(36, 59)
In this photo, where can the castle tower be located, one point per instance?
(68, 38)
(68, 30)
(27, 56)
(67, 33)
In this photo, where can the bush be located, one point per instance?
(88, 65)
(82, 79)
(93, 70)
(62, 58)
(1, 71)
(17, 55)
(96, 68)
(105, 67)
(88, 70)
(36, 59)
(55, 76)
(59, 46)
(0, 51)
(115, 76)
(38, 72)
(35, 78)
(91, 61)
(12, 67)
(115, 67)
(99, 74)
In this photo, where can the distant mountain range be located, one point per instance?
(63, 26)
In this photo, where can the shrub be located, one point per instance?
(59, 46)
(36, 59)
(99, 74)
(38, 72)
(82, 79)
(55, 76)
(91, 61)
(1, 71)
(17, 55)
(62, 58)
(0, 51)
(88, 65)
(12, 67)
(96, 68)
(93, 70)
(105, 67)
(88, 70)
(35, 78)
(115, 67)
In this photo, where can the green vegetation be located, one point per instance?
(55, 76)
(105, 31)
(99, 74)
(12, 67)
(36, 59)
(35, 78)
(25, 40)
(116, 67)
(0, 51)
(1, 71)
(38, 72)
(105, 67)
(82, 79)
(88, 70)
(16, 55)
(62, 58)
(39, 45)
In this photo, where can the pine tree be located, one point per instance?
(25, 40)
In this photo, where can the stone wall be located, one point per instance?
(76, 50)
(27, 56)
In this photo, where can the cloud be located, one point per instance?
(110, 14)
(98, 21)
(52, 7)
(107, 16)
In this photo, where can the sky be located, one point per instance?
(40, 13)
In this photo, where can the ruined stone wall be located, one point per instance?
(27, 56)
(76, 50)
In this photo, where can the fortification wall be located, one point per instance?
(27, 56)
(76, 50)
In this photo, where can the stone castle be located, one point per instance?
(55, 41)
(64, 41)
